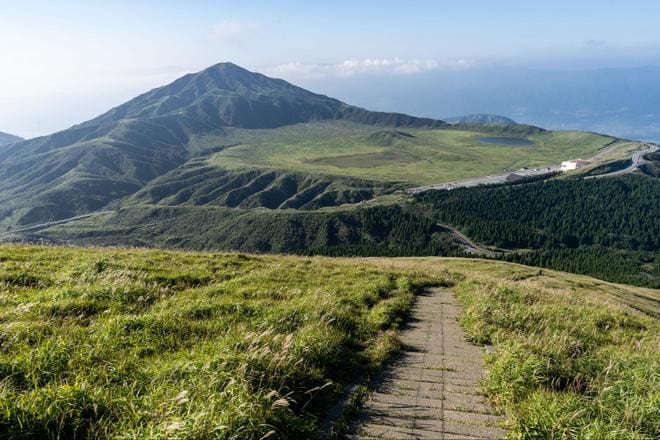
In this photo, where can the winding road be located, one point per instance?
(468, 245)
(637, 159)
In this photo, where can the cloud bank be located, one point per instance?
(367, 66)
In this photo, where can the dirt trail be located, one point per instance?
(431, 391)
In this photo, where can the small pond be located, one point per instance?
(510, 141)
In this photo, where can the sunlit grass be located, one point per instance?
(98, 343)
(430, 156)
(147, 344)
(566, 365)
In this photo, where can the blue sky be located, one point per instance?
(84, 56)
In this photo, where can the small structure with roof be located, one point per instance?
(574, 164)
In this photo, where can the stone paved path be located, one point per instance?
(431, 391)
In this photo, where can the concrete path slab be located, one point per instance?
(431, 390)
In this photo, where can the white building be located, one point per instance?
(574, 164)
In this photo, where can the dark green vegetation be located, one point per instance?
(602, 227)
(389, 230)
(147, 344)
(610, 167)
(606, 228)
(152, 344)
(621, 213)
(6, 139)
(653, 168)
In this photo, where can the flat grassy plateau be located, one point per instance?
(98, 343)
(411, 155)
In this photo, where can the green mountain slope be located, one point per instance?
(197, 183)
(114, 155)
(230, 159)
(602, 227)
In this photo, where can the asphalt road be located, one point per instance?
(468, 245)
(637, 160)
(485, 180)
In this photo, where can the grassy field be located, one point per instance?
(428, 156)
(98, 343)
(148, 344)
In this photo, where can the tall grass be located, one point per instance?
(150, 344)
(566, 365)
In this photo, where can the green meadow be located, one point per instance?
(411, 155)
(128, 343)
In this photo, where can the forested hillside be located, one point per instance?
(619, 213)
(389, 230)
(608, 228)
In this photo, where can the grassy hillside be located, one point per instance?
(199, 184)
(388, 230)
(572, 359)
(152, 344)
(101, 161)
(413, 155)
(603, 227)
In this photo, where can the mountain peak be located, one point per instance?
(227, 95)
(227, 66)
(481, 118)
(227, 70)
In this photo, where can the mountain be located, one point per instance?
(100, 161)
(226, 143)
(6, 138)
(231, 159)
(481, 118)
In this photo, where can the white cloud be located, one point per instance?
(234, 31)
(367, 66)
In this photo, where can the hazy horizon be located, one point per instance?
(79, 60)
